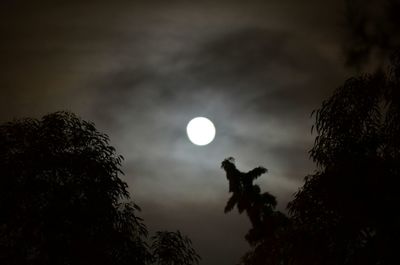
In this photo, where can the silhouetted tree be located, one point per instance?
(268, 225)
(172, 248)
(349, 205)
(346, 212)
(62, 201)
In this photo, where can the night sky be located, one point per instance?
(141, 70)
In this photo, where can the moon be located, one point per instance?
(201, 131)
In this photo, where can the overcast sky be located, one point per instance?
(142, 70)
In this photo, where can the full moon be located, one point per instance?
(201, 131)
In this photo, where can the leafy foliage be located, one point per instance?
(267, 223)
(172, 248)
(348, 204)
(61, 199)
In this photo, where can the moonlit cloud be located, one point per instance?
(141, 71)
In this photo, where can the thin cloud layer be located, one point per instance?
(141, 71)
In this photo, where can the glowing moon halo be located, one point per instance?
(201, 131)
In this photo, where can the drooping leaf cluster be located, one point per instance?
(172, 248)
(61, 198)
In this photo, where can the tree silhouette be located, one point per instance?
(61, 198)
(349, 203)
(268, 225)
(346, 212)
(172, 248)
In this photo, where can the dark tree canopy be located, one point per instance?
(346, 212)
(350, 203)
(61, 198)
